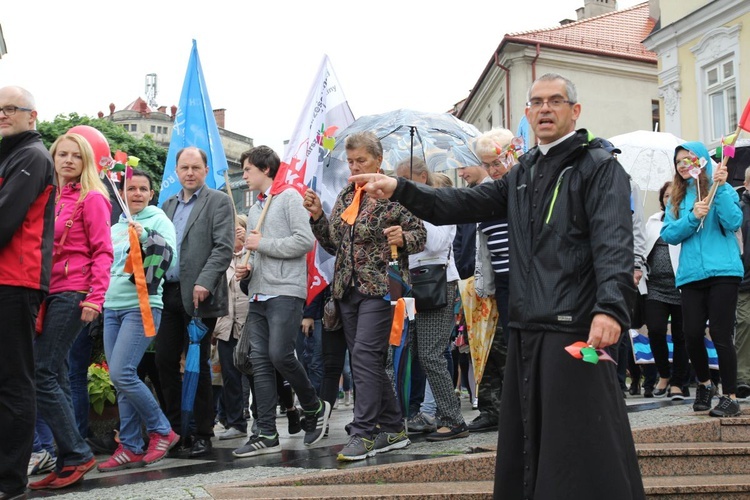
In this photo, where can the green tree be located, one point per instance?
(152, 156)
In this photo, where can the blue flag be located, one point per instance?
(194, 125)
(523, 132)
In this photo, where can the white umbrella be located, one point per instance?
(648, 157)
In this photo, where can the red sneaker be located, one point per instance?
(71, 474)
(159, 445)
(121, 459)
(43, 483)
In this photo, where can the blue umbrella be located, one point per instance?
(196, 331)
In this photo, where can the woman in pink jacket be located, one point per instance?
(81, 258)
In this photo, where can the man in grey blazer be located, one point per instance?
(196, 286)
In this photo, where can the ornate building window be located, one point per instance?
(717, 56)
(721, 94)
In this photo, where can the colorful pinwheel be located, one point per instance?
(581, 350)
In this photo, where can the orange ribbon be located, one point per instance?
(397, 327)
(350, 214)
(134, 265)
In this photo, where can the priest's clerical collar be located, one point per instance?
(544, 148)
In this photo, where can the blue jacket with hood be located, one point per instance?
(713, 251)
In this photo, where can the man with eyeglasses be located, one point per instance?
(26, 233)
(563, 431)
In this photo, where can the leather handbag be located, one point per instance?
(429, 286)
(331, 315)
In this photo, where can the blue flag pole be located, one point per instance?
(194, 125)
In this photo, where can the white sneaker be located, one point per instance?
(41, 462)
(347, 398)
(232, 433)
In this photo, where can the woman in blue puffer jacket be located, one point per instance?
(709, 271)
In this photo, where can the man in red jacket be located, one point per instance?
(26, 234)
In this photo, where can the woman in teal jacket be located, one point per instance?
(710, 269)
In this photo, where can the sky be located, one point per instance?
(259, 59)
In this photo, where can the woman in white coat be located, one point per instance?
(663, 301)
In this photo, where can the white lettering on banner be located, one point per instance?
(168, 181)
(316, 282)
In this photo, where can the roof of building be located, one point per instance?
(138, 105)
(615, 34)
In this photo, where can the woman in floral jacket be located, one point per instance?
(359, 233)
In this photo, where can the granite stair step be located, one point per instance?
(736, 430)
(717, 486)
(684, 459)
(437, 490)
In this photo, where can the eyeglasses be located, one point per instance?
(553, 103)
(11, 110)
(495, 164)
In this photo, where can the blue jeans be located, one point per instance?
(43, 439)
(79, 360)
(310, 353)
(62, 324)
(125, 343)
(273, 325)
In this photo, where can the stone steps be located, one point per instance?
(718, 486)
(709, 459)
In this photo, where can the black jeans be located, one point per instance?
(231, 392)
(18, 309)
(334, 355)
(171, 342)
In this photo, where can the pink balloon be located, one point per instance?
(96, 139)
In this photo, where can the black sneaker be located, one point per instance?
(484, 422)
(258, 445)
(703, 396)
(294, 423)
(727, 407)
(743, 390)
(315, 423)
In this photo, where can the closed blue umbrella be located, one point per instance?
(196, 331)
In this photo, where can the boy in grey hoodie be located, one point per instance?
(277, 291)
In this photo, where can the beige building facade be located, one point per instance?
(703, 48)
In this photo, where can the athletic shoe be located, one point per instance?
(387, 441)
(358, 448)
(294, 423)
(727, 407)
(232, 433)
(41, 462)
(315, 423)
(68, 476)
(421, 423)
(484, 422)
(258, 445)
(703, 396)
(159, 445)
(348, 398)
(122, 459)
